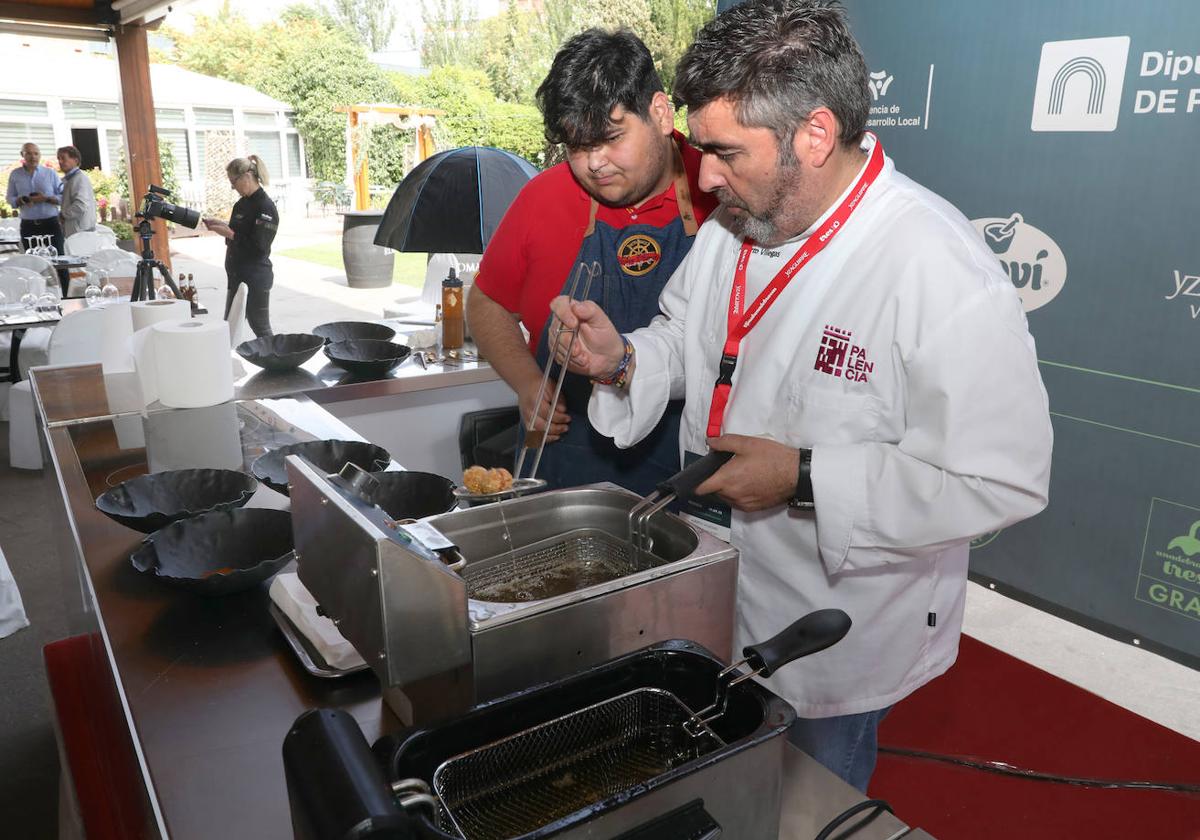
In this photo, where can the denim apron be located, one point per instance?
(636, 261)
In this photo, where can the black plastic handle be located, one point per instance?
(811, 634)
(684, 483)
(689, 822)
(336, 789)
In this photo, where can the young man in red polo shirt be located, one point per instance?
(627, 197)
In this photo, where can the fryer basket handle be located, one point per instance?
(336, 788)
(812, 633)
(684, 483)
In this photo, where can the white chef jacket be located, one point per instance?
(925, 413)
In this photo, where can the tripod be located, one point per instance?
(143, 281)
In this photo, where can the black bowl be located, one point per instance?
(219, 552)
(327, 455)
(346, 330)
(366, 356)
(409, 494)
(150, 502)
(280, 352)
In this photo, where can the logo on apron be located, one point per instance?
(638, 254)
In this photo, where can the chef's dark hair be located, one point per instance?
(777, 61)
(592, 73)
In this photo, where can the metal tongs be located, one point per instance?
(810, 634)
(535, 440)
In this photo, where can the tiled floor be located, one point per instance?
(305, 295)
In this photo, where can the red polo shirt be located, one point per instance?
(533, 250)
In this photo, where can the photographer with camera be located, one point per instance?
(34, 191)
(250, 232)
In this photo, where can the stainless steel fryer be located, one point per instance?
(534, 589)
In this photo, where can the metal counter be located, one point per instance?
(208, 687)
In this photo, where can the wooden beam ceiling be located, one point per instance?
(68, 12)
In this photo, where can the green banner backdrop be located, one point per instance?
(1068, 132)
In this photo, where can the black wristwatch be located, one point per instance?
(803, 497)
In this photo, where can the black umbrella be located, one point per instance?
(452, 202)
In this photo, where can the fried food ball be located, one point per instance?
(481, 480)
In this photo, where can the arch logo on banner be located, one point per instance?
(1031, 259)
(1079, 84)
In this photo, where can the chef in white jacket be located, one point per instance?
(879, 384)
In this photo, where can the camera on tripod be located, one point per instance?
(156, 206)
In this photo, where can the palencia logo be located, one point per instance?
(1031, 259)
(1187, 285)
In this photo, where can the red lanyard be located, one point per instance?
(741, 320)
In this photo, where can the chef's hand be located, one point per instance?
(761, 474)
(598, 348)
(527, 400)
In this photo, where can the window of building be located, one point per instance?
(168, 116)
(213, 116)
(258, 119)
(14, 135)
(91, 111)
(23, 108)
(295, 170)
(114, 141)
(177, 139)
(265, 144)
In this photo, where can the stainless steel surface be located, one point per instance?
(205, 693)
(415, 621)
(402, 612)
(321, 380)
(517, 785)
(309, 658)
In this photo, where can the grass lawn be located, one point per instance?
(409, 269)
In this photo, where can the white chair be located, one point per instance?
(237, 315)
(34, 263)
(96, 335)
(113, 260)
(84, 243)
(12, 611)
(14, 283)
(107, 234)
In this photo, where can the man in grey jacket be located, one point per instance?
(78, 201)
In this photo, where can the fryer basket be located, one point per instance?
(572, 561)
(521, 783)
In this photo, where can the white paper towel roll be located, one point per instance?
(114, 344)
(191, 360)
(141, 347)
(202, 437)
(146, 313)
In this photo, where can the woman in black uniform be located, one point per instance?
(250, 231)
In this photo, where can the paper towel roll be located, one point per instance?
(191, 360)
(146, 313)
(200, 437)
(141, 347)
(114, 343)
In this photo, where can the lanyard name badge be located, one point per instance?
(743, 320)
(709, 512)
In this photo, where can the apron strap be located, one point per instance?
(683, 197)
(683, 194)
(591, 225)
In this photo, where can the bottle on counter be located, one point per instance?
(453, 323)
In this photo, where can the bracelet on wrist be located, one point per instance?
(619, 377)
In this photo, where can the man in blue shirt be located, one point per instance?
(34, 191)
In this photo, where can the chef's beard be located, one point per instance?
(764, 226)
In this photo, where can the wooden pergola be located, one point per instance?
(383, 114)
(125, 23)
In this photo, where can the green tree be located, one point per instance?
(451, 34)
(372, 20)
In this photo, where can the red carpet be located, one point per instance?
(993, 707)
